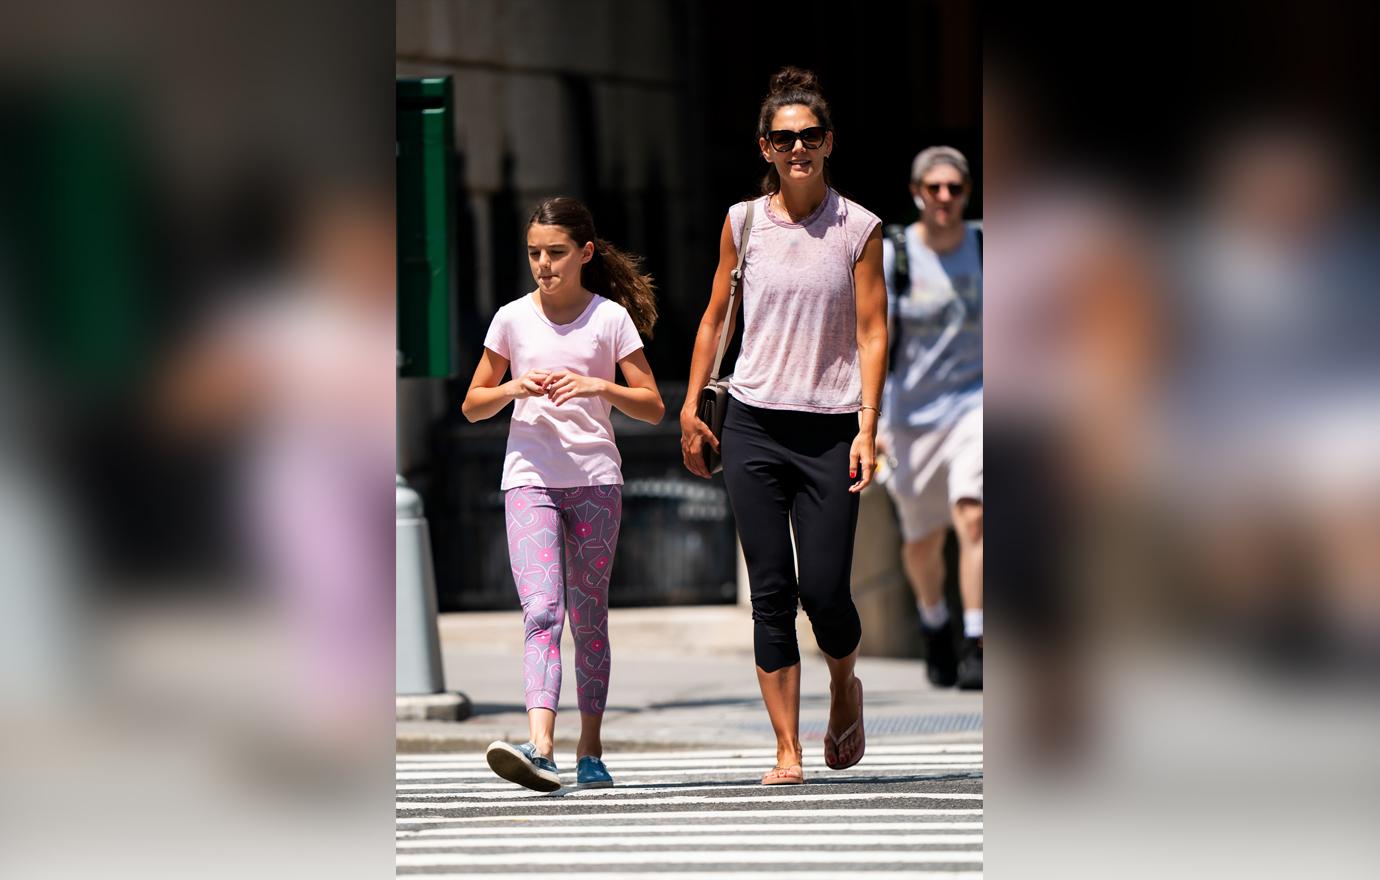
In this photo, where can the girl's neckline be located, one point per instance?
(532, 301)
(814, 215)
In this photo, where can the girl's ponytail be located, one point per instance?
(615, 274)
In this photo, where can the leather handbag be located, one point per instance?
(713, 402)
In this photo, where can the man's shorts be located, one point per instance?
(933, 470)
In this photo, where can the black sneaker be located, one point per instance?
(970, 667)
(940, 661)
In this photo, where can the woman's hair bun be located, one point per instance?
(793, 79)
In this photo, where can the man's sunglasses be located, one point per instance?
(783, 139)
(955, 189)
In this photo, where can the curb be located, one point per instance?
(452, 706)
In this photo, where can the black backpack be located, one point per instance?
(900, 277)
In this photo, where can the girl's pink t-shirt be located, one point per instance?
(800, 319)
(561, 447)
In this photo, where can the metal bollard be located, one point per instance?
(418, 642)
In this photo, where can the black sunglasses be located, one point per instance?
(783, 139)
(955, 189)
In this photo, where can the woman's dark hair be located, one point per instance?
(611, 273)
(791, 85)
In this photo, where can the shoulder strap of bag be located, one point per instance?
(900, 265)
(736, 280)
(900, 283)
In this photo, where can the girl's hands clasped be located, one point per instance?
(562, 385)
(557, 385)
(530, 384)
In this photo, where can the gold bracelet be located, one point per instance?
(873, 408)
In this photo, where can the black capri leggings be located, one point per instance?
(781, 464)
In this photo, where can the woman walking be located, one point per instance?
(799, 435)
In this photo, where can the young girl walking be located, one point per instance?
(562, 473)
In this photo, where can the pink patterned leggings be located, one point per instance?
(561, 544)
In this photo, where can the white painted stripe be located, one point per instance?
(479, 786)
(640, 764)
(784, 798)
(756, 768)
(639, 786)
(813, 751)
(826, 874)
(694, 857)
(720, 828)
(517, 792)
(631, 786)
(855, 813)
(749, 767)
(775, 840)
(732, 780)
(879, 748)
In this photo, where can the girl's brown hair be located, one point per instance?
(612, 273)
(792, 85)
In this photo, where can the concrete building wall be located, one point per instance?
(576, 98)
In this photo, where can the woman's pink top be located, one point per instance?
(800, 320)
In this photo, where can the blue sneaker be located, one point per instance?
(523, 765)
(590, 772)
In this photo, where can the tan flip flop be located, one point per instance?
(783, 776)
(831, 756)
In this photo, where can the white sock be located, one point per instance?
(972, 624)
(933, 617)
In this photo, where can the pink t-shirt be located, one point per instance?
(800, 320)
(561, 447)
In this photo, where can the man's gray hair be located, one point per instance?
(932, 156)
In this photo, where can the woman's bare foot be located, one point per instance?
(784, 773)
(844, 737)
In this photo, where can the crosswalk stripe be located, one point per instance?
(776, 840)
(878, 749)
(683, 759)
(859, 812)
(720, 828)
(663, 874)
(632, 786)
(462, 771)
(758, 766)
(636, 785)
(791, 798)
(575, 793)
(693, 857)
(453, 812)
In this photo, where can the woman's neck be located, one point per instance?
(561, 306)
(799, 202)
